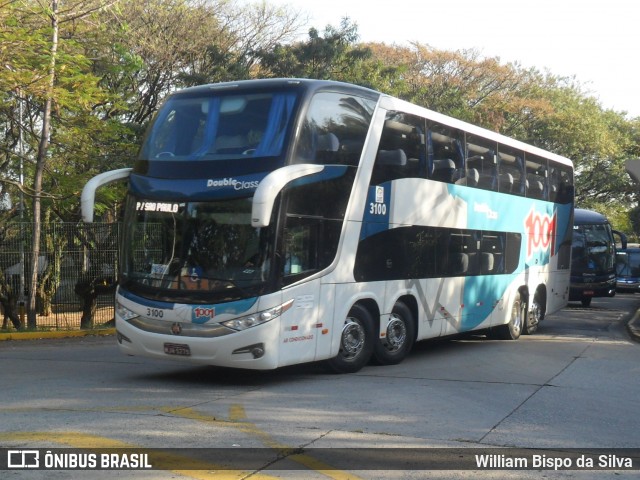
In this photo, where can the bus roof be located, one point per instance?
(588, 217)
(277, 83)
(387, 102)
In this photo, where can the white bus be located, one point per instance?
(275, 222)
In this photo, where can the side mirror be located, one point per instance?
(270, 187)
(88, 197)
(623, 238)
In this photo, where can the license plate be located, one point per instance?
(177, 349)
(588, 292)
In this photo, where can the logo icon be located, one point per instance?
(203, 314)
(176, 329)
(23, 459)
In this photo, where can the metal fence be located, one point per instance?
(76, 274)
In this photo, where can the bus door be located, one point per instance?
(300, 259)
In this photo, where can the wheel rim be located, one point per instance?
(353, 338)
(396, 334)
(534, 318)
(516, 317)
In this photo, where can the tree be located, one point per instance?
(334, 55)
(56, 83)
(597, 140)
(152, 48)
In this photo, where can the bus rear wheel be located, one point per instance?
(398, 339)
(513, 329)
(356, 342)
(536, 314)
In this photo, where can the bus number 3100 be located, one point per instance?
(155, 313)
(377, 209)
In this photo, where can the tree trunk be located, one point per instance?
(89, 307)
(41, 161)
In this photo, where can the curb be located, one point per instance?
(58, 334)
(633, 326)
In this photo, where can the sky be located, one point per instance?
(597, 42)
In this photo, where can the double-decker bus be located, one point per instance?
(275, 222)
(593, 262)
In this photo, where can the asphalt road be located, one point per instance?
(572, 385)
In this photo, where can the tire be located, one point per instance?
(356, 342)
(397, 342)
(535, 316)
(513, 329)
(586, 301)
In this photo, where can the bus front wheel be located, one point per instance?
(356, 341)
(398, 339)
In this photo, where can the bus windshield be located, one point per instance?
(628, 263)
(220, 127)
(203, 251)
(593, 248)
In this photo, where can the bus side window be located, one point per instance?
(402, 149)
(461, 257)
(537, 177)
(512, 250)
(445, 157)
(492, 253)
(510, 171)
(309, 246)
(334, 129)
(560, 183)
(482, 163)
(298, 244)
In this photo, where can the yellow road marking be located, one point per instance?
(18, 335)
(237, 413)
(237, 420)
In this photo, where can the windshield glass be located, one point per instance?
(220, 127)
(203, 251)
(593, 249)
(628, 264)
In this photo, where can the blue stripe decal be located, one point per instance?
(205, 313)
(508, 213)
(490, 288)
(536, 219)
(377, 210)
(145, 301)
(199, 313)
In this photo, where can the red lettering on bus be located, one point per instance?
(541, 232)
(204, 312)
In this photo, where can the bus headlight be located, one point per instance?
(242, 323)
(124, 313)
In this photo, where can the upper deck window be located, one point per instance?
(220, 127)
(334, 129)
